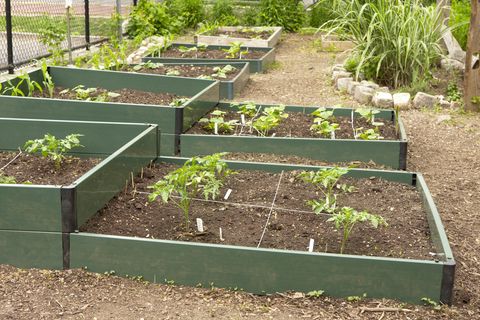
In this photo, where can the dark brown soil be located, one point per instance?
(37, 170)
(126, 96)
(298, 125)
(245, 34)
(275, 158)
(174, 52)
(191, 71)
(292, 223)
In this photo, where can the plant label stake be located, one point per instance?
(216, 128)
(310, 245)
(227, 194)
(332, 135)
(242, 119)
(68, 5)
(200, 225)
(220, 234)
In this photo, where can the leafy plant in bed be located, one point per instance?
(251, 120)
(235, 208)
(81, 92)
(224, 72)
(234, 51)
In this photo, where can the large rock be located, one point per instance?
(342, 83)
(340, 74)
(338, 67)
(370, 84)
(351, 87)
(401, 100)
(451, 64)
(363, 94)
(382, 100)
(425, 100)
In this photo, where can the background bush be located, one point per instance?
(460, 20)
(223, 12)
(149, 18)
(289, 14)
(190, 12)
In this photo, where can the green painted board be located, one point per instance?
(391, 153)
(126, 147)
(257, 270)
(269, 270)
(256, 65)
(31, 249)
(204, 93)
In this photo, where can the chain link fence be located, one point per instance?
(35, 23)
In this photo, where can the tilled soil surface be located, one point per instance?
(244, 34)
(243, 215)
(125, 96)
(298, 125)
(447, 153)
(37, 170)
(174, 52)
(191, 71)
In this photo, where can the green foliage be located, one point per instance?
(429, 302)
(347, 218)
(476, 100)
(203, 176)
(321, 13)
(289, 14)
(460, 14)
(323, 114)
(250, 17)
(396, 41)
(47, 79)
(368, 114)
(222, 72)
(4, 179)
(453, 92)
(190, 12)
(326, 180)
(22, 80)
(223, 13)
(217, 120)
(53, 148)
(90, 94)
(324, 128)
(315, 293)
(172, 72)
(150, 18)
(235, 50)
(368, 134)
(270, 119)
(147, 65)
(51, 35)
(248, 109)
(179, 102)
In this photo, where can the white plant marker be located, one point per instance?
(274, 134)
(242, 119)
(220, 234)
(310, 245)
(200, 225)
(227, 194)
(216, 128)
(332, 135)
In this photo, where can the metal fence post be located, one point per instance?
(134, 2)
(118, 6)
(87, 24)
(8, 20)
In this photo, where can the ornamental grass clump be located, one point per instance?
(397, 42)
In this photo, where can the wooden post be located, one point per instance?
(472, 72)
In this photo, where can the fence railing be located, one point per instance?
(27, 26)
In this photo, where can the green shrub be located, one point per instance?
(288, 14)
(151, 18)
(191, 12)
(397, 42)
(321, 12)
(460, 20)
(250, 16)
(223, 13)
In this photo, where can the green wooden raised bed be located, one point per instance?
(269, 270)
(170, 120)
(256, 65)
(228, 88)
(392, 153)
(125, 148)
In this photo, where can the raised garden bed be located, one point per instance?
(426, 270)
(296, 139)
(34, 216)
(202, 95)
(262, 37)
(234, 82)
(257, 58)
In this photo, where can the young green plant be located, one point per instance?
(197, 176)
(346, 219)
(47, 79)
(216, 123)
(235, 50)
(270, 119)
(52, 148)
(223, 72)
(326, 181)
